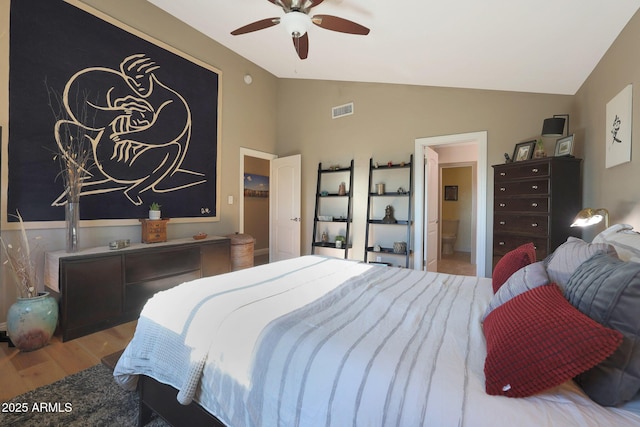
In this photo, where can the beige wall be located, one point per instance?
(615, 188)
(248, 120)
(386, 122)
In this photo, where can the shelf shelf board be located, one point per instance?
(322, 196)
(330, 245)
(379, 221)
(387, 251)
(345, 169)
(391, 194)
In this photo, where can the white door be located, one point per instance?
(431, 208)
(284, 208)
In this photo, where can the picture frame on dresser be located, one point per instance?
(564, 146)
(524, 150)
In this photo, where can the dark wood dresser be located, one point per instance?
(99, 288)
(535, 201)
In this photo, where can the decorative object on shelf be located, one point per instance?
(524, 151)
(340, 241)
(618, 128)
(74, 156)
(389, 163)
(119, 244)
(324, 193)
(342, 189)
(507, 159)
(388, 215)
(325, 237)
(154, 231)
(200, 236)
(401, 190)
(451, 193)
(399, 247)
(564, 146)
(377, 248)
(590, 216)
(380, 188)
(154, 211)
(539, 152)
(32, 319)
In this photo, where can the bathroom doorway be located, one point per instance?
(457, 214)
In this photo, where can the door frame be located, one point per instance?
(247, 152)
(480, 139)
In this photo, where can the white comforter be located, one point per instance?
(324, 342)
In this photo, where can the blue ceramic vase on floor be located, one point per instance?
(32, 321)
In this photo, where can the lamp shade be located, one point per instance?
(590, 216)
(553, 126)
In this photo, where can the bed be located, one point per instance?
(321, 341)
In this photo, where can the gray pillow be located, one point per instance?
(608, 290)
(568, 256)
(527, 278)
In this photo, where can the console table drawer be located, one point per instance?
(141, 267)
(518, 171)
(505, 243)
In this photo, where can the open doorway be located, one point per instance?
(452, 149)
(255, 169)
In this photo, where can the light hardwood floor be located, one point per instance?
(22, 372)
(457, 263)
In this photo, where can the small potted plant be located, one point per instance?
(340, 241)
(154, 211)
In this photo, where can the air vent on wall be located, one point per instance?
(342, 110)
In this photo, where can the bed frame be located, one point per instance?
(161, 399)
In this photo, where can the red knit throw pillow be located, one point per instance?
(538, 340)
(512, 262)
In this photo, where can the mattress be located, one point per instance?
(321, 341)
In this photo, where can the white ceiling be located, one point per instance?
(545, 46)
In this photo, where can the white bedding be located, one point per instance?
(318, 341)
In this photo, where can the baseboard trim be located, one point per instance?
(264, 251)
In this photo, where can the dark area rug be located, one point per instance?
(88, 398)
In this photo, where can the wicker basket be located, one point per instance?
(241, 251)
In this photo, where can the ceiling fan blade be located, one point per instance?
(255, 26)
(302, 45)
(341, 25)
(284, 4)
(308, 4)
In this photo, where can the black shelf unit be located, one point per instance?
(323, 195)
(399, 198)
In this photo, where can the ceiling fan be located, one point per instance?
(297, 21)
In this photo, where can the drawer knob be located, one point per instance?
(501, 243)
(502, 205)
(534, 205)
(535, 187)
(502, 222)
(535, 224)
(502, 174)
(503, 189)
(535, 170)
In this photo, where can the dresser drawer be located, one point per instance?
(521, 171)
(527, 204)
(534, 224)
(504, 243)
(510, 188)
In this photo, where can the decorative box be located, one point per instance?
(154, 230)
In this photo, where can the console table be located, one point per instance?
(99, 288)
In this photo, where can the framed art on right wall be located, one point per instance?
(618, 128)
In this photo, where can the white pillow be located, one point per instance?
(623, 239)
(569, 255)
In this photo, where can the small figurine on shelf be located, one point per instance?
(325, 237)
(342, 189)
(388, 215)
(507, 159)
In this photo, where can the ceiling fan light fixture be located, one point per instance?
(296, 23)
